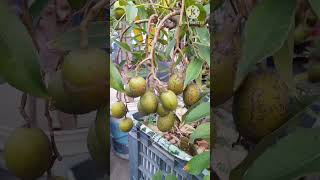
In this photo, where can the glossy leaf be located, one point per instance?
(115, 78)
(263, 39)
(204, 52)
(19, 64)
(193, 71)
(315, 4)
(123, 46)
(70, 40)
(202, 131)
(196, 112)
(131, 12)
(283, 60)
(198, 163)
(304, 159)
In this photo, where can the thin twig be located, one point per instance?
(23, 113)
(85, 23)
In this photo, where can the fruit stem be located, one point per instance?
(22, 110)
(85, 22)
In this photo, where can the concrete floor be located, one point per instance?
(119, 168)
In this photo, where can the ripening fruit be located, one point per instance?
(166, 123)
(169, 100)
(62, 100)
(118, 110)
(85, 76)
(119, 12)
(149, 102)
(161, 111)
(126, 124)
(140, 109)
(27, 153)
(137, 86)
(300, 33)
(260, 105)
(191, 94)
(176, 83)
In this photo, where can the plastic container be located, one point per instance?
(147, 157)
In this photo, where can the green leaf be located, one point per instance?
(315, 4)
(304, 159)
(196, 112)
(202, 131)
(203, 35)
(157, 176)
(207, 177)
(19, 64)
(170, 47)
(131, 12)
(193, 71)
(204, 53)
(296, 120)
(171, 177)
(263, 39)
(115, 78)
(37, 8)
(70, 40)
(123, 46)
(283, 60)
(198, 163)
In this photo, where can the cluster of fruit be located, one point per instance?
(164, 104)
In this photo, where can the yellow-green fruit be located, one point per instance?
(169, 100)
(175, 83)
(98, 139)
(300, 33)
(149, 102)
(137, 86)
(62, 100)
(118, 110)
(161, 111)
(260, 105)
(85, 75)
(27, 153)
(126, 124)
(128, 92)
(314, 72)
(166, 123)
(223, 75)
(140, 109)
(191, 94)
(119, 12)
(77, 4)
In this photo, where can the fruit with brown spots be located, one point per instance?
(137, 86)
(118, 110)
(175, 83)
(260, 105)
(191, 94)
(126, 124)
(149, 102)
(161, 111)
(166, 123)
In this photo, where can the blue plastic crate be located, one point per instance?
(146, 158)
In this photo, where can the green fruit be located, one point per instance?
(314, 72)
(149, 102)
(140, 109)
(224, 76)
(300, 34)
(118, 110)
(176, 83)
(128, 92)
(137, 86)
(27, 153)
(119, 12)
(85, 76)
(62, 100)
(77, 4)
(260, 105)
(169, 100)
(126, 124)
(161, 111)
(191, 94)
(166, 123)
